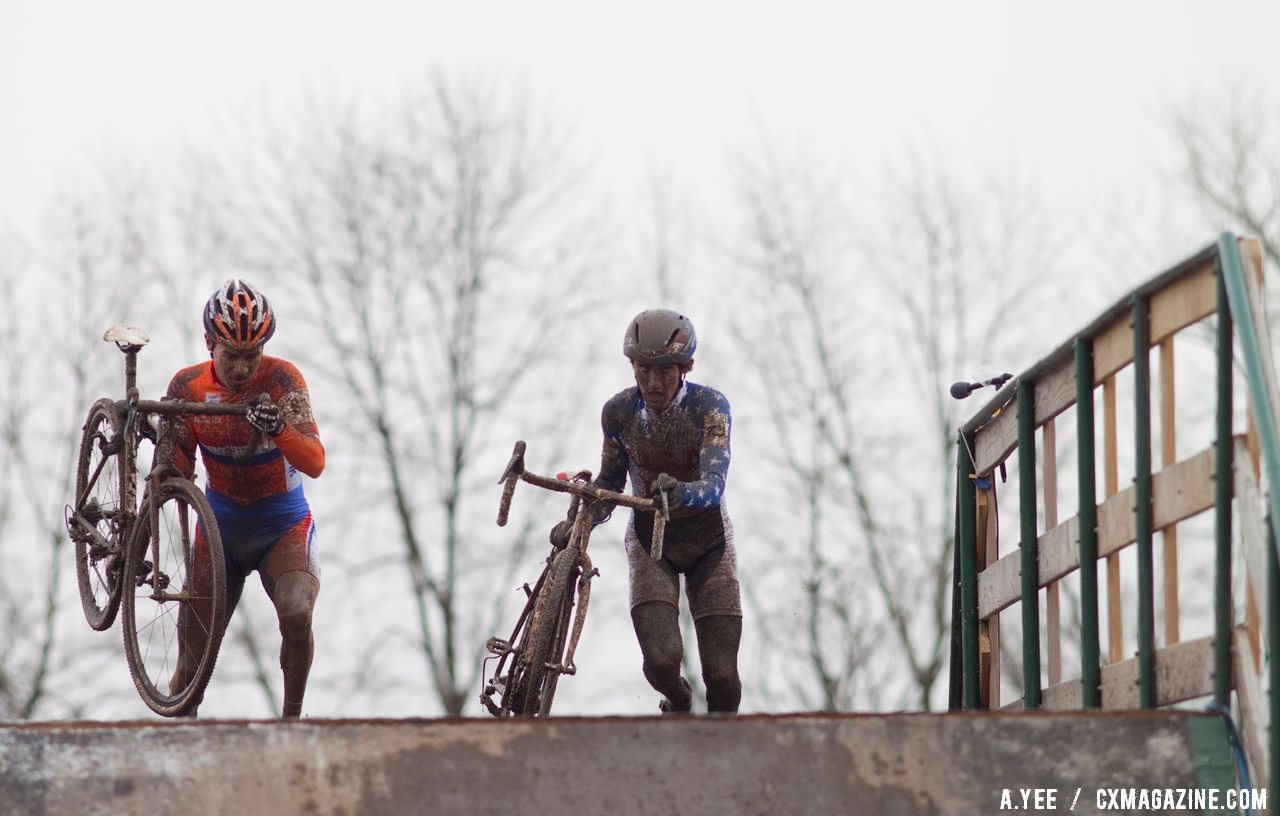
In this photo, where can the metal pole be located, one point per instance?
(1143, 522)
(1090, 674)
(1030, 546)
(1222, 612)
(968, 570)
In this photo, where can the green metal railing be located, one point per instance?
(1237, 298)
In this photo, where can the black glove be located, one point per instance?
(147, 430)
(560, 534)
(266, 418)
(670, 486)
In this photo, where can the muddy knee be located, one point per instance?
(657, 626)
(718, 639)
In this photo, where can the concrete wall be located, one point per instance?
(804, 764)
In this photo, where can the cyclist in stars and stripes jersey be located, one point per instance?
(262, 513)
(672, 436)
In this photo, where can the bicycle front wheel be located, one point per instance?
(175, 597)
(547, 629)
(98, 515)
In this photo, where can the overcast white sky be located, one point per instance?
(1070, 90)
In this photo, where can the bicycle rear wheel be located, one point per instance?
(546, 635)
(174, 609)
(98, 515)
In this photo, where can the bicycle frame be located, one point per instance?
(163, 462)
(136, 558)
(568, 564)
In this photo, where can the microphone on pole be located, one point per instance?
(963, 389)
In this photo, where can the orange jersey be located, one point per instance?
(273, 470)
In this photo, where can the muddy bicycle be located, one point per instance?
(542, 645)
(141, 553)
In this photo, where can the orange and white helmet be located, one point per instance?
(239, 315)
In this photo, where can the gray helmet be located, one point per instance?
(660, 337)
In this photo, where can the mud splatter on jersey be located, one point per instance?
(689, 441)
(271, 478)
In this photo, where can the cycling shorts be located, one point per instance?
(710, 573)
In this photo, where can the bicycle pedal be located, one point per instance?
(490, 705)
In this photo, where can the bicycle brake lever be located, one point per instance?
(255, 437)
(515, 465)
(510, 475)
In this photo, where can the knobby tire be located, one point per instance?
(545, 630)
(560, 631)
(197, 599)
(99, 503)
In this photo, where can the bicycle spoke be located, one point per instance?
(97, 519)
(172, 613)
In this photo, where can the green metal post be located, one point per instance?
(968, 569)
(1090, 673)
(1268, 426)
(1143, 522)
(1030, 546)
(1273, 643)
(1223, 490)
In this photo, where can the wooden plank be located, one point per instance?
(1112, 350)
(1178, 493)
(996, 440)
(1254, 707)
(1052, 595)
(1111, 485)
(1000, 585)
(1055, 393)
(1253, 531)
(1183, 672)
(1169, 455)
(988, 632)
(992, 555)
(1188, 300)
(1068, 696)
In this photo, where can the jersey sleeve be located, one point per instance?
(713, 458)
(300, 440)
(613, 455)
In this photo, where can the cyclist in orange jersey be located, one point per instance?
(263, 516)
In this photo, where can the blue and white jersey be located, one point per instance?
(689, 441)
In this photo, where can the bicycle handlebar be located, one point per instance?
(179, 408)
(515, 472)
(186, 408)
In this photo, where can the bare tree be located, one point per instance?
(59, 303)
(863, 324)
(435, 257)
(1231, 162)
(797, 328)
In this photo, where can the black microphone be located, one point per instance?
(962, 390)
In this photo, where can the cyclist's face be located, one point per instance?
(658, 384)
(235, 367)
